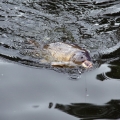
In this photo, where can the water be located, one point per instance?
(31, 90)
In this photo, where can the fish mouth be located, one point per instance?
(87, 64)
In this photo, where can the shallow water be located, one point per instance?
(31, 90)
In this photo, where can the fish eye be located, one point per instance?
(79, 57)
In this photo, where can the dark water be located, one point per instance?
(31, 90)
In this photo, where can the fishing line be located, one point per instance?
(86, 90)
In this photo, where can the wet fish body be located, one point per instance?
(68, 55)
(61, 51)
(62, 54)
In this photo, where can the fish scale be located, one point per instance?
(62, 51)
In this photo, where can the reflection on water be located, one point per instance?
(87, 111)
(91, 24)
(114, 72)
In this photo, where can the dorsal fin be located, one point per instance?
(76, 46)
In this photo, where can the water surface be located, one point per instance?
(31, 90)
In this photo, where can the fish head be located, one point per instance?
(79, 57)
(83, 58)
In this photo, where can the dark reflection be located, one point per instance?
(56, 6)
(51, 6)
(87, 111)
(113, 53)
(113, 73)
(50, 105)
(111, 56)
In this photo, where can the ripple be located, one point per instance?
(78, 22)
(74, 77)
(102, 77)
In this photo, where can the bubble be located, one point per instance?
(74, 76)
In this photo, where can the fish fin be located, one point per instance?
(63, 64)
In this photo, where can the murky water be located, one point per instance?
(31, 90)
